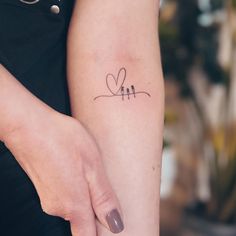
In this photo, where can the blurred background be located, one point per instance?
(198, 44)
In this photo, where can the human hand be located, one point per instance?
(65, 166)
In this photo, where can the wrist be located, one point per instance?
(28, 121)
(19, 109)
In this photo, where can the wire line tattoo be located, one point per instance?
(115, 86)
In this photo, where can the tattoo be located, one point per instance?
(115, 85)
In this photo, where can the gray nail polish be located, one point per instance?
(114, 221)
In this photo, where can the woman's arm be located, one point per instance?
(58, 155)
(116, 89)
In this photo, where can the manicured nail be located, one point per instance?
(114, 221)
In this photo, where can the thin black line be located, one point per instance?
(133, 90)
(120, 95)
(116, 80)
(128, 92)
(120, 92)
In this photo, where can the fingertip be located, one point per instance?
(115, 221)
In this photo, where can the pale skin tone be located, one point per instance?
(65, 167)
(111, 149)
(103, 38)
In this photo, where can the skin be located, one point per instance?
(103, 38)
(127, 150)
(67, 163)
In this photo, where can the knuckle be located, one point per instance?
(77, 214)
(72, 209)
(48, 209)
(104, 198)
(65, 210)
(68, 210)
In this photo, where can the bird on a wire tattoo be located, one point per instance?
(116, 88)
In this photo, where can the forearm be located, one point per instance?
(18, 107)
(128, 129)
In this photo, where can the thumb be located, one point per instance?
(104, 201)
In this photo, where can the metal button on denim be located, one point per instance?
(55, 9)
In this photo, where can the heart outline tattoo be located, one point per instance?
(115, 86)
(112, 77)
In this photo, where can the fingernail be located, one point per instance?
(114, 221)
